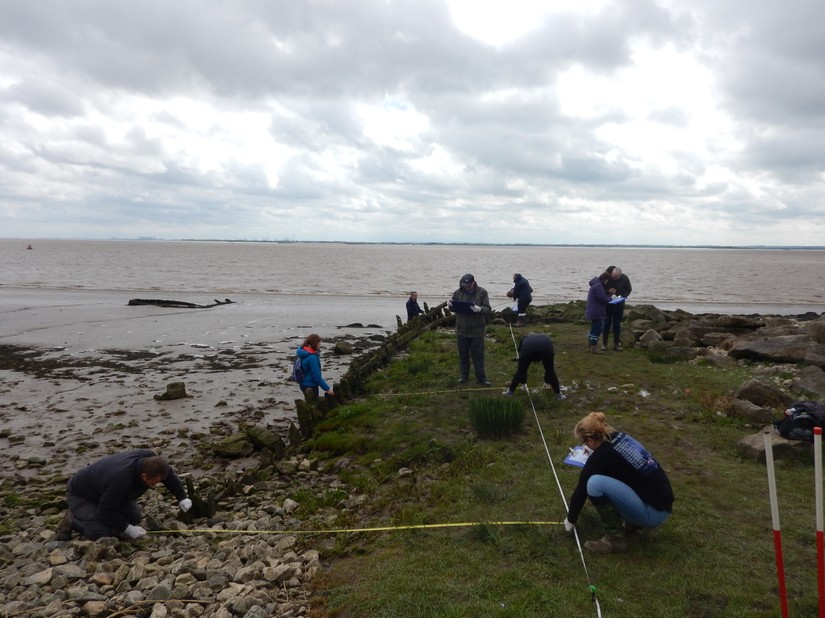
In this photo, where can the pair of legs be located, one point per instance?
(604, 489)
(522, 309)
(546, 358)
(596, 327)
(85, 521)
(615, 314)
(471, 348)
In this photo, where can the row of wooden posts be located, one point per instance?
(312, 409)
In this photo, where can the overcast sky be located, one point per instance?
(580, 122)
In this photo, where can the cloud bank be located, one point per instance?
(651, 122)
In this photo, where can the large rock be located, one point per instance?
(762, 394)
(750, 412)
(233, 446)
(816, 330)
(812, 381)
(783, 349)
(264, 439)
(753, 447)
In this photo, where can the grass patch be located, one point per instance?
(712, 559)
(496, 418)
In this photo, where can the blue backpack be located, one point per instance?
(298, 373)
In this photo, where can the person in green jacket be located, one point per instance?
(470, 328)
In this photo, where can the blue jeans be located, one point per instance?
(626, 501)
(596, 327)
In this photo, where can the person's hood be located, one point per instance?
(595, 280)
(303, 353)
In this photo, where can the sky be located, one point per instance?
(554, 122)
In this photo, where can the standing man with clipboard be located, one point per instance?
(471, 305)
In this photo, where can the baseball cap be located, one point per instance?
(468, 278)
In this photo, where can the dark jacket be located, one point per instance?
(535, 342)
(114, 481)
(622, 285)
(413, 309)
(644, 476)
(311, 363)
(473, 324)
(597, 299)
(522, 289)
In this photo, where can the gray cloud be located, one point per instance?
(383, 120)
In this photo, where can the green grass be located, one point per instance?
(713, 558)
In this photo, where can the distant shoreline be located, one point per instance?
(432, 244)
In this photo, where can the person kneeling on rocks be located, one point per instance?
(623, 481)
(103, 496)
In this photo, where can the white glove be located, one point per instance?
(134, 532)
(475, 308)
(450, 304)
(568, 527)
(185, 504)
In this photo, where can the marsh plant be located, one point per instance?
(496, 418)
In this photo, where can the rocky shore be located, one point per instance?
(242, 563)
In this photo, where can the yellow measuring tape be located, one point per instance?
(465, 524)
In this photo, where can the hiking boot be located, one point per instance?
(485, 383)
(560, 397)
(462, 380)
(507, 393)
(630, 529)
(613, 541)
(64, 528)
(607, 545)
(604, 347)
(618, 347)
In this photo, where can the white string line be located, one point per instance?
(558, 485)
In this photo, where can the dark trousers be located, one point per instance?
(86, 521)
(546, 358)
(615, 314)
(523, 304)
(471, 347)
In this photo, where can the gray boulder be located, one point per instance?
(762, 394)
(753, 447)
(783, 349)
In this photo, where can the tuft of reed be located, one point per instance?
(496, 418)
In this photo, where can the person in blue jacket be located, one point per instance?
(311, 364)
(103, 496)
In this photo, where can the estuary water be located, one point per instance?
(322, 286)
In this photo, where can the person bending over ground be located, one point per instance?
(533, 348)
(103, 496)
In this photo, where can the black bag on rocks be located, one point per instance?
(800, 419)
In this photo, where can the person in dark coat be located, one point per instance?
(470, 328)
(533, 348)
(596, 309)
(622, 480)
(522, 293)
(413, 308)
(619, 286)
(103, 496)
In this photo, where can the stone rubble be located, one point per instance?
(249, 561)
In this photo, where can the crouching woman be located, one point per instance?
(625, 483)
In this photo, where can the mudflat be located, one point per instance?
(79, 372)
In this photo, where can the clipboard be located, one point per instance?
(577, 456)
(617, 300)
(462, 306)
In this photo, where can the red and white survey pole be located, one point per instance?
(777, 534)
(820, 539)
